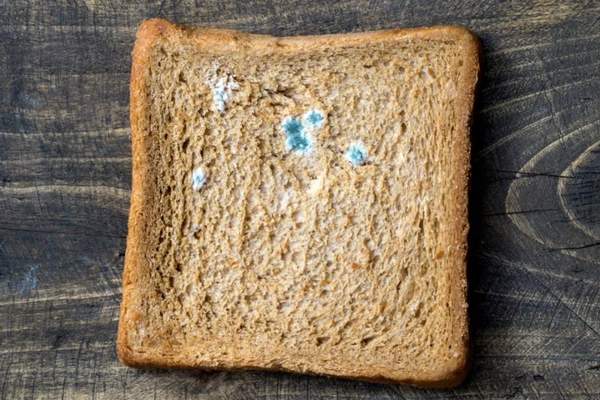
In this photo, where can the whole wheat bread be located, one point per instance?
(300, 203)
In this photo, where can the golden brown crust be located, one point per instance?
(147, 34)
(454, 373)
(449, 374)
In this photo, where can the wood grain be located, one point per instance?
(65, 179)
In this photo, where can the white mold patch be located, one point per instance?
(198, 178)
(222, 86)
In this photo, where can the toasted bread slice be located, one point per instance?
(300, 203)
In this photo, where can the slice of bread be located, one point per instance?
(300, 203)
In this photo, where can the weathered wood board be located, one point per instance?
(65, 177)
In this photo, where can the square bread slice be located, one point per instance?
(300, 203)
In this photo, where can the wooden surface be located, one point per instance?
(65, 178)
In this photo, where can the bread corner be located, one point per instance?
(453, 372)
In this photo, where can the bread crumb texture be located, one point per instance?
(330, 234)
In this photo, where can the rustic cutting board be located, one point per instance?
(65, 178)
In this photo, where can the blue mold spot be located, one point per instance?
(296, 138)
(314, 119)
(300, 143)
(356, 154)
(292, 126)
(198, 178)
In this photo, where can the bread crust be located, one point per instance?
(447, 374)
